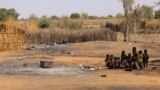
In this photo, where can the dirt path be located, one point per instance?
(93, 81)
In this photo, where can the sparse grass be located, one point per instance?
(52, 36)
(80, 30)
(153, 24)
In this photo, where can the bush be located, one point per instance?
(54, 17)
(93, 17)
(44, 23)
(119, 15)
(33, 17)
(157, 14)
(75, 16)
(145, 12)
(110, 16)
(84, 15)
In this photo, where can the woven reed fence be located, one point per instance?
(11, 37)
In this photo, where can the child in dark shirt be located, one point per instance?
(107, 60)
(145, 58)
(123, 60)
(129, 60)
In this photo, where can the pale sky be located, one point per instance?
(66, 7)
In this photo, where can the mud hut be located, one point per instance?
(11, 36)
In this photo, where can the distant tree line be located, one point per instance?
(143, 12)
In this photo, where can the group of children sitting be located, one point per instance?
(136, 60)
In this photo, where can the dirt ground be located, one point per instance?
(89, 53)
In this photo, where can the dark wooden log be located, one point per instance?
(103, 75)
(155, 61)
(63, 42)
(128, 69)
(154, 68)
(46, 64)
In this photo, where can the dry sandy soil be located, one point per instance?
(89, 53)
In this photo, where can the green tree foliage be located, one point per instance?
(146, 12)
(157, 14)
(93, 17)
(44, 23)
(6, 13)
(54, 17)
(75, 16)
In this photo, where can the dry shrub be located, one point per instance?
(116, 25)
(144, 26)
(52, 36)
(30, 25)
(115, 21)
(68, 23)
(153, 24)
(102, 21)
(78, 23)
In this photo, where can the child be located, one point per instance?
(135, 58)
(123, 60)
(112, 62)
(117, 62)
(140, 59)
(134, 51)
(107, 60)
(129, 60)
(145, 58)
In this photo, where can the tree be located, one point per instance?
(44, 17)
(44, 23)
(12, 13)
(157, 14)
(3, 14)
(119, 15)
(54, 17)
(93, 17)
(75, 16)
(146, 12)
(7, 13)
(128, 12)
(33, 17)
(84, 15)
(110, 16)
(156, 4)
